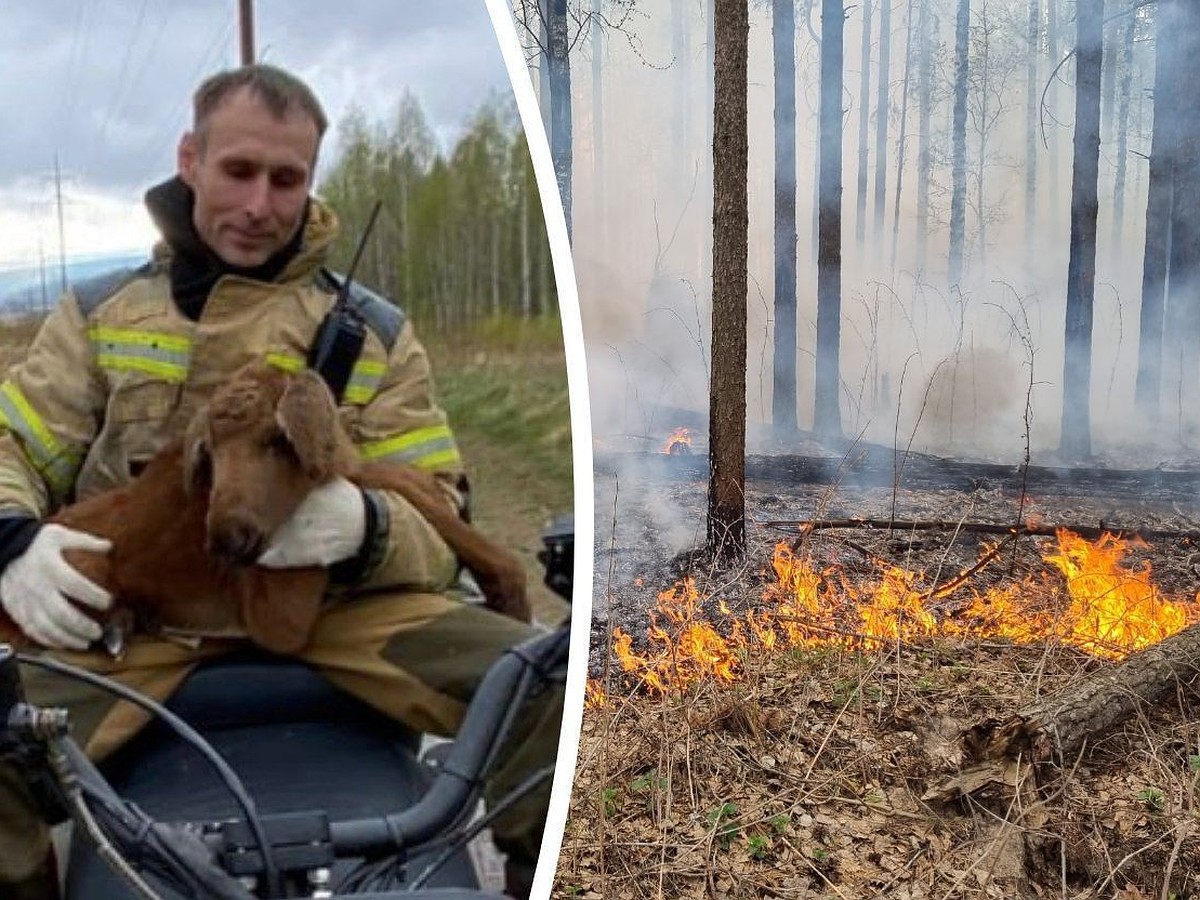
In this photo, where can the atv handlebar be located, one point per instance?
(305, 842)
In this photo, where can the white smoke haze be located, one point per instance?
(938, 369)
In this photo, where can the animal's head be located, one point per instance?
(263, 442)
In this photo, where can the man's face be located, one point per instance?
(251, 174)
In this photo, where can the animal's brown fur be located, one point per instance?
(187, 530)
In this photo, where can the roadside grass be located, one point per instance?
(504, 386)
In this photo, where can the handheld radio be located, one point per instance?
(340, 337)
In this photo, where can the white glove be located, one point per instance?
(35, 586)
(328, 526)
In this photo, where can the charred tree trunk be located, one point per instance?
(1033, 36)
(783, 394)
(864, 122)
(1081, 270)
(1148, 390)
(727, 392)
(1123, 98)
(881, 116)
(925, 27)
(901, 145)
(560, 101)
(958, 196)
(1183, 278)
(827, 415)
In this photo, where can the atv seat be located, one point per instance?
(296, 741)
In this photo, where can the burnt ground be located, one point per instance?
(806, 777)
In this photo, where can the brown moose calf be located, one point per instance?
(187, 530)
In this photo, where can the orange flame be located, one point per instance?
(594, 695)
(680, 441)
(1113, 610)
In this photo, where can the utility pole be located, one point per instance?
(246, 23)
(62, 235)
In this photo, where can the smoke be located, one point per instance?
(970, 369)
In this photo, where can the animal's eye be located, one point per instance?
(278, 442)
(201, 469)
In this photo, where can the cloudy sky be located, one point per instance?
(106, 84)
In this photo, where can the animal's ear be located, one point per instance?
(197, 454)
(279, 606)
(308, 418)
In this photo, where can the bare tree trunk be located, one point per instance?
(924, 140)
(881, 116)
(827, 415)
(1124, 92)
(706, 234)
(1033, 35)
(560, 102)
(727, 392)
(864, 121)
(526, 292)
(958, 196)
(1055, 56)
(1148, 390)
(901, 145)
(783, 394)
(1183, 278)
(599, 194)
(1081, 270)
(983, 76)
(1108, 88)
(681, 54)
(544, 86)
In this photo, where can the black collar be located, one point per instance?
(195, 268)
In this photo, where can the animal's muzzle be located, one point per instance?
(236, 540)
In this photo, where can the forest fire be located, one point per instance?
(679, 443)
(1109, 610)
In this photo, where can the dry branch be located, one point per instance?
(1085, 531)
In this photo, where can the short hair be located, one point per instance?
(279, 91)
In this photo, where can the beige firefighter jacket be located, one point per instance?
(110, 380)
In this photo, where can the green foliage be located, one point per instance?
(1153, 798)
(719, 819)
(649, 784)
(611, 798)
(758, 846)
(461, 237)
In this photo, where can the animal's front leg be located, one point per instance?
(280, 606)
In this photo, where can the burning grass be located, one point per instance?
(1113, 610)
(774, 735)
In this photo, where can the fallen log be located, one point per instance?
(1055, 731)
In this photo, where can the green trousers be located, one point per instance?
(415, 657)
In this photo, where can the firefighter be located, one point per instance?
(126, 359)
